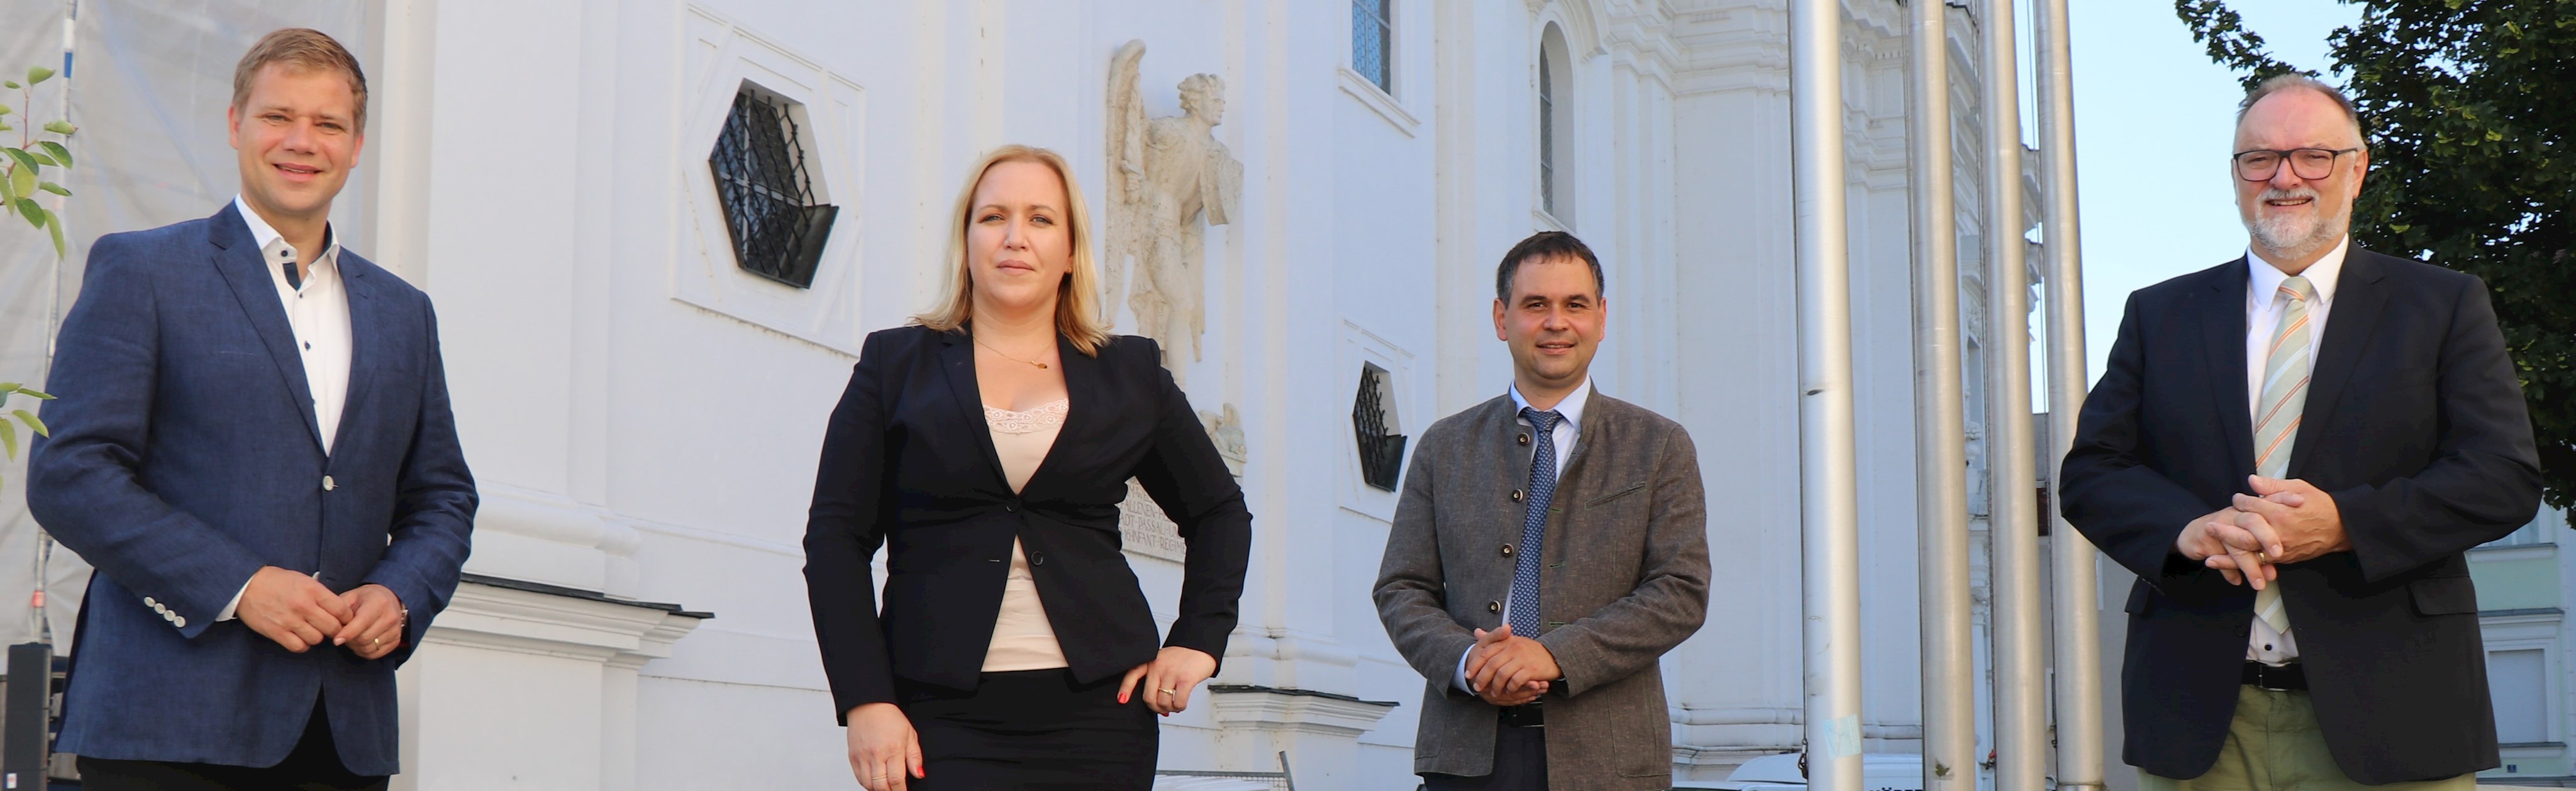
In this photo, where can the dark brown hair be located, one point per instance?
(1543, 246)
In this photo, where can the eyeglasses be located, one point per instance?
(2309, 163)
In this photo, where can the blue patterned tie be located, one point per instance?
(1542, 488)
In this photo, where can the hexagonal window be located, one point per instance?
(771, 208)
(1373, 417)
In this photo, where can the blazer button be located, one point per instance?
(1507, 550)
(1011, 507)
(327, 484)
(1524, 438)
(1037, 558)
(1516, 495)
(1494, 606)
(180, 621)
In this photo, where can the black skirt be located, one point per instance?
(1032, 729)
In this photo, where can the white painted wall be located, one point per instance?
(645, 419)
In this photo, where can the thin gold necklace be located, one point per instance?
(1005, 355)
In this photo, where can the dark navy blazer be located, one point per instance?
(2415, 426)
(908, 464)
(185, 456)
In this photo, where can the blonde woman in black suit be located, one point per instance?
(987, 446)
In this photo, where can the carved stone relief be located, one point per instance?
(1169, 179)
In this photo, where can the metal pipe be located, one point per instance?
(2012, 494)
(1829, 490)
(2078, 606)
(1940, 423)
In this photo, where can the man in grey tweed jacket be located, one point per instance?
(1549, 547)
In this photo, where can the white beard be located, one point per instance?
(2296, 236)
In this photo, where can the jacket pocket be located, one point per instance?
(1621, 492)
(2444, 595)
(2138, 599)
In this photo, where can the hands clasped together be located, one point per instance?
(1508, 670)
(299, 613)
(2290, 521)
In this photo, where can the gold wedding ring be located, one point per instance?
(1171, 692)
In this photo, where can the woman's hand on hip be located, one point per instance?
(884, 751)
(1169, 679)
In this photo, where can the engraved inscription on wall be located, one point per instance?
(1145, 530)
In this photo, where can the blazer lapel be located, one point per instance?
(237, 257)
(2222, 326)
(1082, 378)
(957, 358)
(2357, 302)
(367, 350)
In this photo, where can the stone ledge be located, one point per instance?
(1255, 707)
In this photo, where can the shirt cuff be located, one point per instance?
(235, 604)
(1461, 680)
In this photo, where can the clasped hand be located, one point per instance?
(2285, 521)
(1508, 670)
(298, 612)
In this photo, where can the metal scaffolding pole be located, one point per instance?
(1829, 491)
(1940, 423)
(2012, 504)
(2077, 606)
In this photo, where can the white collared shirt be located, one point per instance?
(317, 312)
(1568, 427)
(2263, 308)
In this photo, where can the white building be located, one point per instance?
(644, 415)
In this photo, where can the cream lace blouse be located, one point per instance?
(1022, 638)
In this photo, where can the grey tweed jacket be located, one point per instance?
(1625, 579)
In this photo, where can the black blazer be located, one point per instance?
(2414, 424)
(908, 463)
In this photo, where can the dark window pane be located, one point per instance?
(777, 228)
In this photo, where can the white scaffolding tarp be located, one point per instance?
(148, 83)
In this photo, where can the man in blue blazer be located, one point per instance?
(253, 445)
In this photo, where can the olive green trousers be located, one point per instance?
(2273, 745)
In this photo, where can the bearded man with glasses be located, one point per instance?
(2292, 450)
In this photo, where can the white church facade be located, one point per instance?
(643, 413)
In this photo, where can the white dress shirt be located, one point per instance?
(2263, 308)
(317, 312)
(1570, 412)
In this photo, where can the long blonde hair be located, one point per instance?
(1077, 304)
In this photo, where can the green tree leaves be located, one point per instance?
(25, 164)
(2470, 110)
(9, 423)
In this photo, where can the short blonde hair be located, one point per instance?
(1077, 305)
(306, 49)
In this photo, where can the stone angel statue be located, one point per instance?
(1165, 175)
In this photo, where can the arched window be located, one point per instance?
(1555, 127)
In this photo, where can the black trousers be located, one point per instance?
(313, 766)
(1032, 729)
(1520, 764)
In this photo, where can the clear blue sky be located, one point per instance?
(2153, 120)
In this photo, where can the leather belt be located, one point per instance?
(2279, 677)
(1527, 715)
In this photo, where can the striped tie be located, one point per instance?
(2276, 425)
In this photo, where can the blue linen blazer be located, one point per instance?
(185, 456)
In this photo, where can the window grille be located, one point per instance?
(762, 181)
(1372, 43)
(1546, 134)
(1373, 417)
